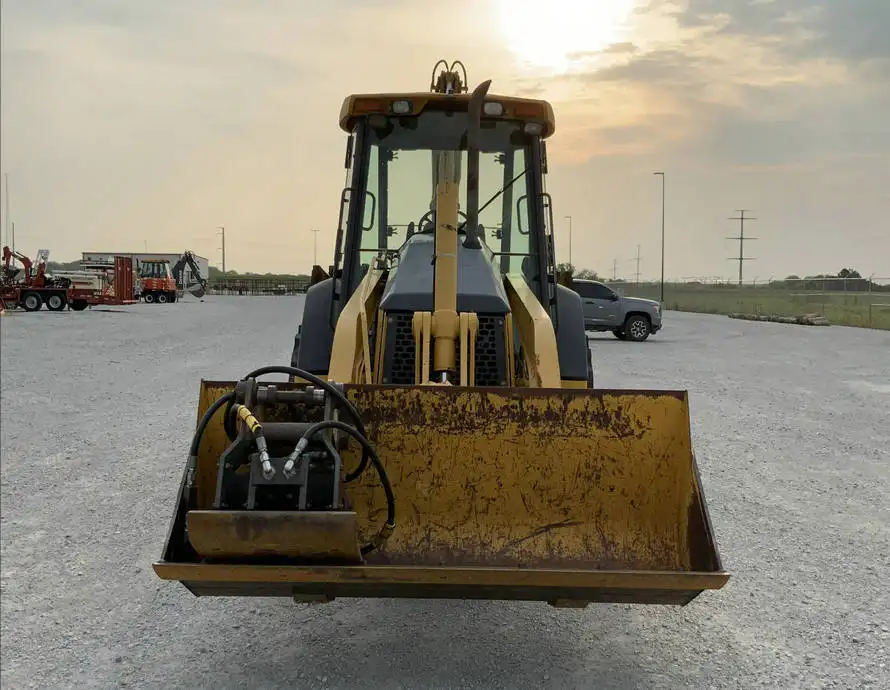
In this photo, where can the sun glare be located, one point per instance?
(547, 34)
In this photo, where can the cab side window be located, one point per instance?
(586, 290)
(594, 291)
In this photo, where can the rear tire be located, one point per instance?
(149, 297)
(31, 301)
(78, 304)
(637, 328)
(56, 301)
(162, 298)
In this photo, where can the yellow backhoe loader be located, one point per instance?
(438, 434)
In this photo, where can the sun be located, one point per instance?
(547, 33)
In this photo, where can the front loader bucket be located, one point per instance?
(567, 496)
(196, 290)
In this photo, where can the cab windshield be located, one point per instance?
(400, 189)
(154, 269)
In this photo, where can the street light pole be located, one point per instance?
(570, 241)
(662, 235)
(223, 232)
(314, 232)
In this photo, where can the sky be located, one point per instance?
(128, 125)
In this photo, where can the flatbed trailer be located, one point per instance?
(118, 290)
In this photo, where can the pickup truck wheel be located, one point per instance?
(618, 333)
(636, 328)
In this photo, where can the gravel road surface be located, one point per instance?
(790, 426)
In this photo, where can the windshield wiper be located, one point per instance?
(497, 194)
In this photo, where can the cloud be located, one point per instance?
(124, 122)
(132, 122)
(852, 30)
(765, 73)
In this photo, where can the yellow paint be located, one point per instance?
(509, 345)
(479, 477)
(536, 334)
(421, 326)
(380, 346)
(522, 109)
(469, 328)
(569, 383)
(248, 418)
(350, 357)
(538, 479)
(445, 322)
(213, 443)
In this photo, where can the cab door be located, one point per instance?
(600, 305)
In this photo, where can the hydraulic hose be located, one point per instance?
(234, 411)
(199, 432)
(390, 524)
(256, 430)
(321, 383)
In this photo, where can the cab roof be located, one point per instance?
(514, 108)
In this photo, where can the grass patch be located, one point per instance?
(861, 309)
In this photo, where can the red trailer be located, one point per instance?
(117, 290)
(34, 289)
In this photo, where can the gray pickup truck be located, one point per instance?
(629, 318)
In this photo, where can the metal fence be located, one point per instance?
(258, 286)
(843, 301)
(861, 302)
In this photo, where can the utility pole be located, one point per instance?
(741, 238)
(223, 231)
(638, 258)
(570, 241)
(314, 232)
(614, 269)
(662, 234)
(6, 222)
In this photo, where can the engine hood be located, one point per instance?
(640, 302)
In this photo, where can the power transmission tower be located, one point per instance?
(223, 231)
(637, 259)
(741, 238)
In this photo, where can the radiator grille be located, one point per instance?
(398, 365)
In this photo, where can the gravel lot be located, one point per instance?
(790, 429)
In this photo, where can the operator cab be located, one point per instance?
(388, 206)
(154, 268)
(405, 154)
